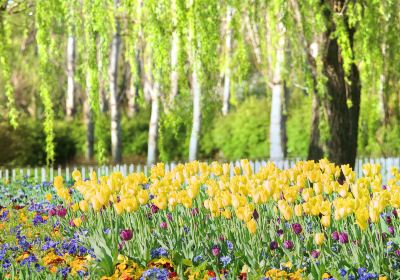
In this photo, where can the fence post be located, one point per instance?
(28, 173)
(7, 174)
(36, 175)
(51, 174)
(67, 173)
(43, 174)
(13, 174)
(257, 166)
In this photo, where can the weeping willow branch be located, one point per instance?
(43, 25)
(6, 72)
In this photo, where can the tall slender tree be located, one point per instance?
(277, 147)
(342, 89)
(157, 35)
(71, 12)
(227, 63)
(203, 27)
(70, 100)
(116, 145)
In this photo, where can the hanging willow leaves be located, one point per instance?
(98, 22)
(131, 9)
(44, 23)
(5, 67)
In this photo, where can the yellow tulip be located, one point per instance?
(298, 210)
(326, 221)
(161, 202)
(227, 214)
(96, 204)
(187, 202)
(75, 207)
(77, 222)
(374, 214)
(143, 197)
(237, 170)
(76, 175)
(319, 238)
(130, 205)
(288, 213)
(58, 182)
(83, 205)
(252, 226)
(119, 208)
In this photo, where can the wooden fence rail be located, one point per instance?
(45, 174)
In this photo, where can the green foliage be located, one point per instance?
(298, 126)
(24, 145)
(243, 133)
(5, 70)
(29, 70)
(44, 24)
(134, 135)
(173, 132)
(374, 139)
(98, 23)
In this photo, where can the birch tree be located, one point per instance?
(71, 11)
(203, 26)
(157, 34)
(227, 62)
(70, 100)
(277, 88)
(267, 35)
(114, 97)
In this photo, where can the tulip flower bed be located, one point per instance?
(313, 221)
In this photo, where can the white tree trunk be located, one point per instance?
(196, 89)
(89, 121)
(174, 55)
(227, 67)
(114, 102)
(70, 102)
(196, 125)
(153, 126)
(133, 92)
(277, 87)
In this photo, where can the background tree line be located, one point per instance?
(148, 80)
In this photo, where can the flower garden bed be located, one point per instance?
(313, 221)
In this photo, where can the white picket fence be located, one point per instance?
(45, 174)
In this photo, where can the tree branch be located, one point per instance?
(306, 45)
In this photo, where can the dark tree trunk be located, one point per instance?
(315, 151)
(342, 102)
